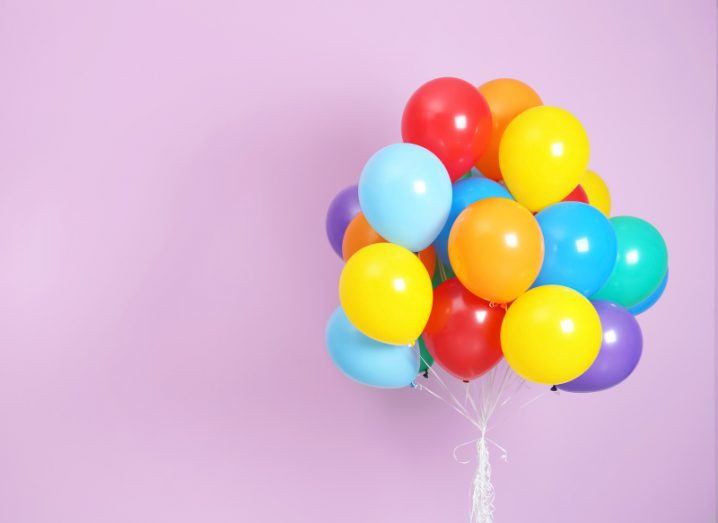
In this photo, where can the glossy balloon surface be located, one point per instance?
(342, 210)
(649, 302)
(449, 117)
(368, 361)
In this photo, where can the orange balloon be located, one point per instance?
(428, 258)
(359, 234)
(496, 249)
(506, 98)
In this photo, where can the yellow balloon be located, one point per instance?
(551, 335)
(386, 293)
(597, 192)
(543, 156)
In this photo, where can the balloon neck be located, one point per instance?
(465, 381)
(554, 388)
(426, 374)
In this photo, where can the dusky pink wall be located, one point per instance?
(164, 277)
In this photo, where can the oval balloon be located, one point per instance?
(619, 354)
(386, 293)
(551, 335)
(405, 194)
(496, 249)
(366, 360)
(642, 262)
(359, 234)
(507, 98)
(580, 247)
(543, 156)
(466, 192)
(597, 192)
(652, 299)
(463, 332)
(342, 210)
(449, 117)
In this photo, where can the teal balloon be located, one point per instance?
(465, 192)
(368, 361)
(651, 300)
(405, 195)
(641, 266)
(426, 360)
(580, 247)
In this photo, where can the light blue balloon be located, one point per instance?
(580, 247)
(647, 303)
(405, 195)
(368, 361)
(466, 192)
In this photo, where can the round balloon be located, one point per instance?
(344, 207)
(496, 249)
(507, 98)
(551, 335)
(642, 262)
(543, 156)
(580, 247)
(619, 354)
(366, 360)
(405, 194)
(463, 332)
(449, 117)
(597, 192)
(386, 293)
(466, 192)
(647, 303)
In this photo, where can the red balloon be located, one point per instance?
(464, 332)
(451, 118)
(577, 195)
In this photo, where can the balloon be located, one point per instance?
(386, 293)
(428, 258)
(597, 192)
(647, 303)
(577, 195)
(425, 358)
(463, 332)
(465, 192)
(368, 361)
(360, 234)
(449, 117)
(551, 335)
(496, 249)
(507, 98)
(619, 353)
(543, 156)
(642, 262)
(342, 210)
(405, 195)
(580, 247)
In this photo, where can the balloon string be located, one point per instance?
(441, 381)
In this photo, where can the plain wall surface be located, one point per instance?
(165, 167)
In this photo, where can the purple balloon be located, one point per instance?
(620, 350)
(342, 210)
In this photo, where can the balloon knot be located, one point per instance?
(426, 374)
(554, 388)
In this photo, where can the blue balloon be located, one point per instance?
(580, 247)
(647, 303)
(368, 361)
(466, 192)
(405, 195)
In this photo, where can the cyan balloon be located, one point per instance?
(653, 298)
(642, 263)
(405, 195)
(368, 361)
(465, 192)
(580, 247)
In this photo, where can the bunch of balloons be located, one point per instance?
(483, 236)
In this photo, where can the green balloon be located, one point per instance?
(426, 360)
(641, 265)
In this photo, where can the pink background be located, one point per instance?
(165, 279)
